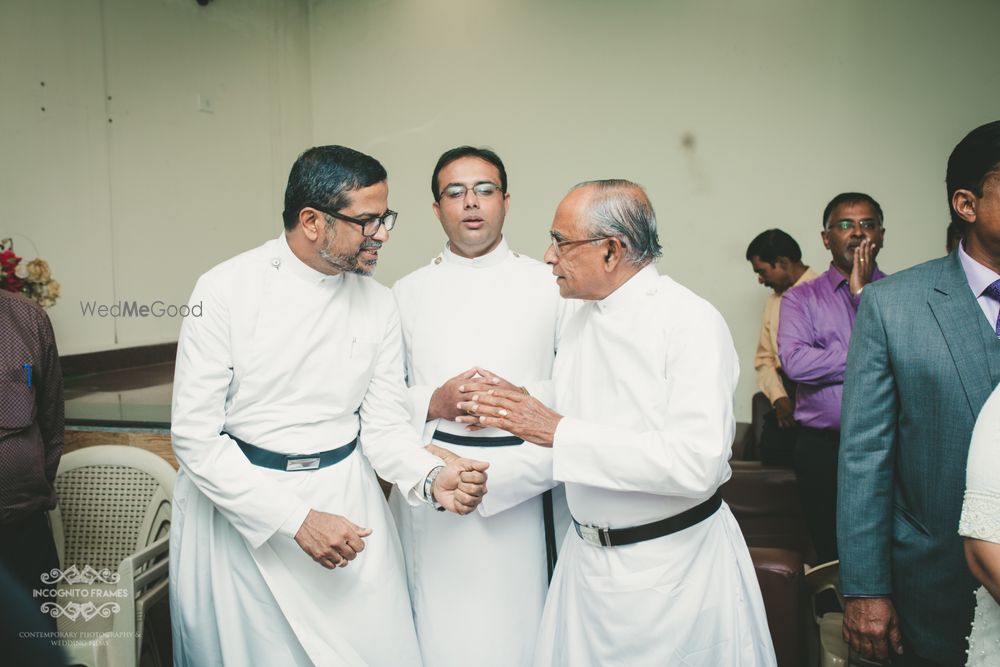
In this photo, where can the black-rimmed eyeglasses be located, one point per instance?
(369, 226)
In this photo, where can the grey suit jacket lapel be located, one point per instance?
(962, 324)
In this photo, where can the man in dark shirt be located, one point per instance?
(31, 440)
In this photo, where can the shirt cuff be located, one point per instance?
(294, 521)
(562, 442)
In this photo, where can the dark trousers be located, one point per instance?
(816, 470)
(908, 659)
(28, 551)
(777, 445)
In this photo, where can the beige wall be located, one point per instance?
(785, 102)
(121, 183)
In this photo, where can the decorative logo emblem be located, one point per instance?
(74, 576)
(75, 610)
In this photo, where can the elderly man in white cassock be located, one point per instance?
(288, 392)
(656, 571)
(507, 546)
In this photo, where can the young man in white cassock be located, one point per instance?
(288, 392)
(656, 571)
(506, 547)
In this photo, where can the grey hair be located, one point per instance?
(621, 209)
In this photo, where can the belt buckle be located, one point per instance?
(596, 535)
(301, 463)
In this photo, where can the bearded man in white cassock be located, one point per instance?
(503, 547)
(656, 571)
(288, 391)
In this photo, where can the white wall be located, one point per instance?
(121, 183)
(787, 103)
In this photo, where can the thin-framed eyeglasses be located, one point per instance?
(369, 226)
(867, 225)
(481, 189)
(558, 244)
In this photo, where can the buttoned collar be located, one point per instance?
(834, 277)
(286, 260)
(492, 258)
(643, 284)
(979, 276)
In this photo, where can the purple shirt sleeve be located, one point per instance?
(51, 407)
(805, 357)
(814, 333)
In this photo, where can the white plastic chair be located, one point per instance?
(111, 529)
(833, 650)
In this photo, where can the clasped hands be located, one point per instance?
(482, 399)
(476, 380)
(333, 541)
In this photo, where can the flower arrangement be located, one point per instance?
(33, 279)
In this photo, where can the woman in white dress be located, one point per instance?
(980, 525)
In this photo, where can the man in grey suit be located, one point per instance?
(923, 358)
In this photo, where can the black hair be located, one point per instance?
(325, 176)
(771, 244)
(974, 158)
(851, 198)
(954, 235)
(467, 151)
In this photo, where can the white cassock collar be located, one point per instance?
(492, 258)
(644, 283)
(285, 260)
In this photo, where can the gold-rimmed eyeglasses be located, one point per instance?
(481, 189)
(559, 243)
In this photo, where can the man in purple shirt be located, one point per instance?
(814, 331)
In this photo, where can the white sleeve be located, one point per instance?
(252, 502)
(388, 437)
(515, 479)
(981, 509)
(418, 402)
(688, 456)
(418, 396)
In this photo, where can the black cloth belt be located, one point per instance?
(293, 462)
(548, 520)
(616, 537)
(510, 441)
(469, 441)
